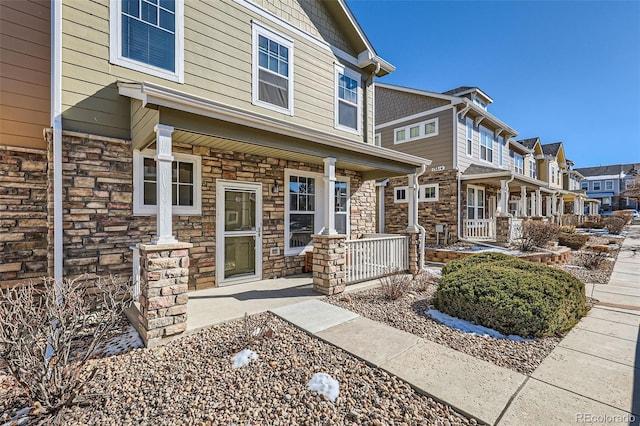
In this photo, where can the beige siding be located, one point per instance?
(438, 149)
(143, 121)
(217, 66)
(394, 104)
(25, 72)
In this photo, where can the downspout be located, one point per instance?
(56, 124)
(423, 232)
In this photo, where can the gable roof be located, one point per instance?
(529, 143)
(551, 148)
(463, 90)
(612, 169)
(478, 169)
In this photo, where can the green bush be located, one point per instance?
(511, 295)
(573, 241)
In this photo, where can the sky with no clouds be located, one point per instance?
(561, 70)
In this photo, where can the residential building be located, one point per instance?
(605, 183)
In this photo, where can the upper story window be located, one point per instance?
(272, 70)
(532, 168)
(486, 146)
(469, 137)
(585, 185)
(424, 129)
(185, 184)
(377, 139)
(596, 186)
(480, 103)
(147, 36)
(608, 185)
(553, 174)
(518, 163)
(347, 108)
(500, 150)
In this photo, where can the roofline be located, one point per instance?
(490, 116)
(455, 100)
(519, 145)
(475, 89)
(155, 94)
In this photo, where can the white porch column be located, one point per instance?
(523, 201)
(576, 206)
(554, 204)
(504, 198)
(329, 196)
(538, 203)
(592, 209)
(163, 158)
(412, 204)
(561, 207)
(549, 206)
(533, 203)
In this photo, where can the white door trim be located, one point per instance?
(221, 186)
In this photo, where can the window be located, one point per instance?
(553, 174)
(608, 185)
(469, 137)
(185, 187)
(272, 70)
(377, 139)
(475, 202)
(486, 146)
(304, 216)
(415, 131)
(585, 186)
(532, 168)
(400, 194)
(347, 108)
(147, 36)
(596, 186)
(428, 193)
(518, 163)
(500, 148)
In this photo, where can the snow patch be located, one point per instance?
(467, 327)
(243, 358)
(121, 343)
(326, 385)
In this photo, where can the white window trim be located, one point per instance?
(115, 45)
(515, 165)
(501, 152)
(377, 136)
(468, 125)
(420, 136)
(609, 182)
(318, 214)
(476, 206)
(489, 134)
(422, 199)
(260, 29)
(340, 69)
(395, 194)
(599, 185)
(141, 209)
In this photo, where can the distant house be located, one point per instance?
(606, 182)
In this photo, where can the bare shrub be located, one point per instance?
(255, 328)
(537, 234)
(48, 332)
(593, 256)
(615, 224)
(424, 279)
(395, 284)
(569, 229)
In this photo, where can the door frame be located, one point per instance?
(221, 186)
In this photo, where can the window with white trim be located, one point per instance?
(553, 174)
(424, 129)
(469, 137)
(608, 185)
(500, 150)
(347, 97)
(377, 139)
(486, 146)
(596, 186)
(428, 192)
(147, 36)
(400, 194)
(272, 70)
(585, 186)
(518, 163)
(475, 202)
(532, 168)
(185, 184)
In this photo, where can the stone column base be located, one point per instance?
(329, 263)
(503, 229)
(414, 252)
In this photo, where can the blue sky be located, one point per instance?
(562, 70)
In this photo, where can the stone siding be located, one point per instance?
(100, 227)
(443, 211)
(23, 215)
(559, 257)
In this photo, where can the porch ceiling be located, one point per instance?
(493, 179)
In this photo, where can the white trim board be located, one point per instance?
(413, 117)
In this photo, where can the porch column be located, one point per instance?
(412, 204)
(163, 158)
(561, 207)
(538, 203)
(329, 196)
(592, 209)
(554, 205)
(534, 203)
(523, 201)
(504, 197)
(576, 206)
(549, 206)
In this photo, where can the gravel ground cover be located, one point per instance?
(602, 273)
(191, 381)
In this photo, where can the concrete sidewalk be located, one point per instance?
(592, 376)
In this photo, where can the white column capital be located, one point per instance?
(329, 179)
(164, 158)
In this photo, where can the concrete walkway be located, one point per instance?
(592, 376)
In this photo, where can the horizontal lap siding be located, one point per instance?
(25, 72)
(217, 64)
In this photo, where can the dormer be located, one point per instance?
(476, 95)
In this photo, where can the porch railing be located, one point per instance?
(515, 232)
(480, 229)
(370, 258)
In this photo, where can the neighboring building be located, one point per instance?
(606, 182)
(239, 127)
(479, 172)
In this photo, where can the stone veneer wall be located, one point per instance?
(23, 215)
(559, 257)
(443, 211)
(100, 228)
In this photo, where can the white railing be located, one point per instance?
(135, 273)
(515, 230)
(370, 258)
(480, 229)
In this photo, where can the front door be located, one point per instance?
(238, 232)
